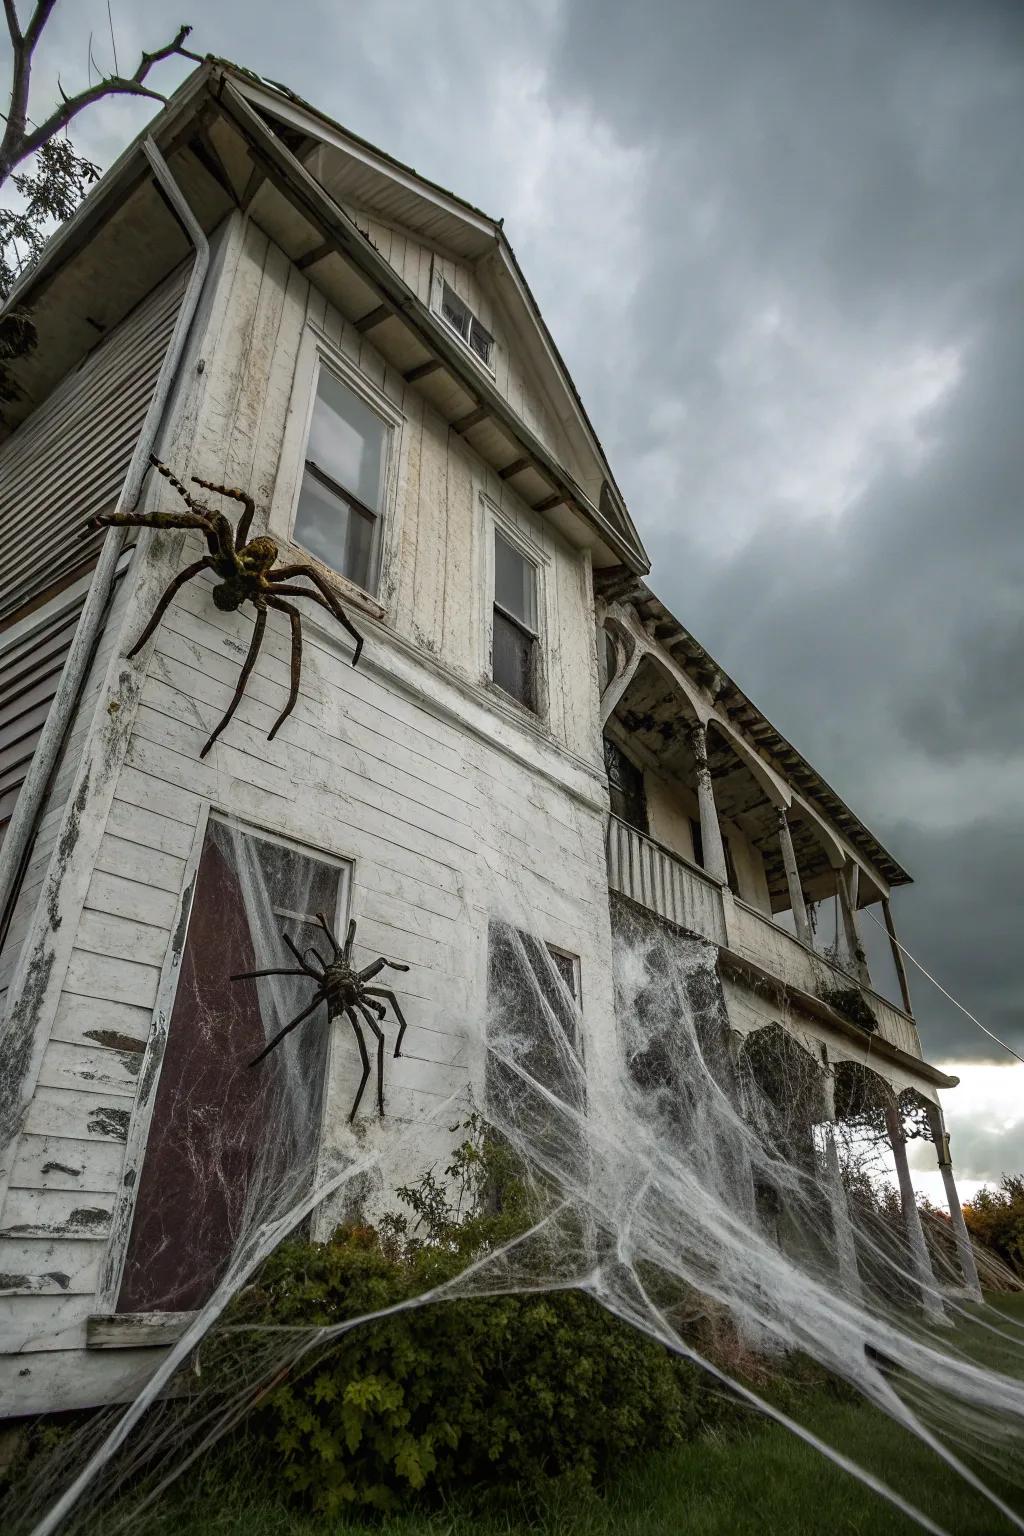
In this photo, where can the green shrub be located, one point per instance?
(458, 1395)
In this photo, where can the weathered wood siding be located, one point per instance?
(58, 469)
(449, 803)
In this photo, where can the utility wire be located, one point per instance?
(904, 950)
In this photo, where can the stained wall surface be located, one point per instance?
(451, 803)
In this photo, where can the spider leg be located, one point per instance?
(403, 1022)
(200, 520)
(314, 1005)
(165, 602)
(325, 925)
(368, 1016)
(327, 598)
(169, 475)
(247, 666)
(299, 957)
(275, 971)
(350, 939)
(365, 1059)
(296, 662)
(310, 950)
(245, 521)
(376, 966)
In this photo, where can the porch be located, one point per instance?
(666, 883)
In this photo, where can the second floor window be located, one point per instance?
(343, 481)
(514, 640)
(625, 786)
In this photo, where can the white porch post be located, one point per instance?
(897, 955)
(846, 887)
(710, 831)
(964, 1251)
(796, 895)
(920, 1262)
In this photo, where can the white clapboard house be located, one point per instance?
(263, 300)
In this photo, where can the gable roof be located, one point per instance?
(353, 170)
(234, 139)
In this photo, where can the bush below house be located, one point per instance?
(481, 1392)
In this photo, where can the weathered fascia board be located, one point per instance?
(743, 969)
(35, 991)
(135, 1330)
(334, 226)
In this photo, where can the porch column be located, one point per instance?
(964, 1251)
(846, 887)
(919, 1260)
(796, 895)
(897, 955)
(710, 831)
(839, 1205)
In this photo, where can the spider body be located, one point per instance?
(345, 990)
(247, 575)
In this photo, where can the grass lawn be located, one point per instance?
(757, 1480)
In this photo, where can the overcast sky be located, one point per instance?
(781, 246)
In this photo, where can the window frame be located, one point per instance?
(316, 353)
(437, 289)
(497, 523)
(117, 1248)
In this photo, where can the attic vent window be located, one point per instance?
(462, 319)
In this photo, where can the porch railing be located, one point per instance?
(655, 878)
(650, 874)
(755, 936)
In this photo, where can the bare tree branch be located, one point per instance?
(18, 142)
(13, 24)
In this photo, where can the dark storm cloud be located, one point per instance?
(829, 282)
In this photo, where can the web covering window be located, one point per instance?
(533, 1000)
(342, 491)
(514, 635)
(223, 1138)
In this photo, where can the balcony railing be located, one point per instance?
(649, 874)
(652, 876)
(756, 937)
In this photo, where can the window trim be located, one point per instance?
(317, 351)
(116, 1251)
(497, 522)
(437, 286)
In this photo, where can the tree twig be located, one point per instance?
(18, 142)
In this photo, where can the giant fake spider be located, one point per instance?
(246, 573)
(344, 990)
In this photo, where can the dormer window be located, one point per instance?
(462, 319)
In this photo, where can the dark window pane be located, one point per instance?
(513, 660)
(332, 529)
(481, 341)
(730, 867)
(456, 312)
(515, 583)
(625, 786)
(698, 842)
